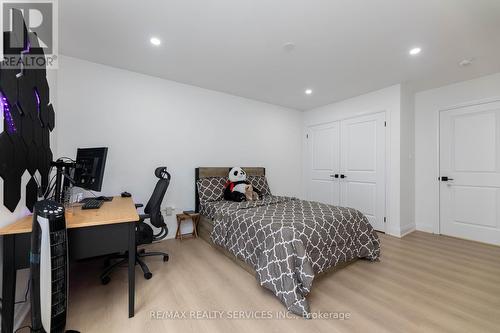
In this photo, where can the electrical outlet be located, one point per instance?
(169, 210)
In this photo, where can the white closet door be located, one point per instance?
(470, 172)
(362, 168)
(323, 163)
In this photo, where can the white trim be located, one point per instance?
(471, 103)
(437, 228)
(356, 115)
(388, 122)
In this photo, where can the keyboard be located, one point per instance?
(92, 204)
(84, 200)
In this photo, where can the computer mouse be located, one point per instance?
(126, 195)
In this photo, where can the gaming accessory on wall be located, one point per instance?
(28, 119)
(238, 188)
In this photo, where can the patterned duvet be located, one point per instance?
(289, 241)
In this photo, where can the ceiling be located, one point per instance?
(343, 48)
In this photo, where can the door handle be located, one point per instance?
(445, 179)
(334, 176)
(343, 176)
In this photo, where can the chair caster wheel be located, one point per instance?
(165, 258)
(148, 276)
(105, 280)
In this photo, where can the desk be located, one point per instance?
(91, 233)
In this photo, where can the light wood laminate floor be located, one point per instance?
(423, 283)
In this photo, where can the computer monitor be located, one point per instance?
(89, 171)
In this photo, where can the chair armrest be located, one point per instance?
(139, 205)
(143, 217)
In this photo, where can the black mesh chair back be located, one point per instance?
(153, 207)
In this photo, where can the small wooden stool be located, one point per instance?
(182, 217)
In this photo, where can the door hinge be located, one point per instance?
(385, 219)
(307, 136)
(385, 123)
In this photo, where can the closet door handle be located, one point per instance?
(343, 176)
(336, 175)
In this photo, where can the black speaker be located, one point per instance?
(49, 268)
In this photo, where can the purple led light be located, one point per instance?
(28, 48)
(37, 95)
(11, 126)
(37, 100)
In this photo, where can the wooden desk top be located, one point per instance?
(119, 210)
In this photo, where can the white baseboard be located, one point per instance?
(407, 229)
(394, 233)
(425, 228)
(401, 232)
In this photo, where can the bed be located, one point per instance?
(285, 242)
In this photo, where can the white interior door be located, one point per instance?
(362, 167)
(470, 172)
(323, 163)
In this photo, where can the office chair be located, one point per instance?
(144, 233)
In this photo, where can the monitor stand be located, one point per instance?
(62, 171)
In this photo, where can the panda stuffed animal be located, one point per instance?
(238, 188)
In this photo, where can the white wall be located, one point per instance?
(7, 217)
(427, 106)
(388, 100)
(407, 137)
(148, 122)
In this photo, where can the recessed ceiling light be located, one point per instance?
(289, 46)
(308, 91)
(466, 62)
(155, 41)
(415, 51)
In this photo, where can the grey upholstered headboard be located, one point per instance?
(204, 172)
